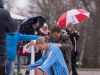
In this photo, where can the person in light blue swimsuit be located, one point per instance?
(52, 60)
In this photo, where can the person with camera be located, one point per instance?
(74, 36)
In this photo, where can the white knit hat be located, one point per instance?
(45, 25)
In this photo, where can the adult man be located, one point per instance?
(74, 35)
(64, 43)
(7, 24)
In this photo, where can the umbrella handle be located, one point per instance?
(75, 43)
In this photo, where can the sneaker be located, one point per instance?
(14, 73)
(19, 73)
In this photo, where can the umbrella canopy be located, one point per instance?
(31, 20)
(72, 16)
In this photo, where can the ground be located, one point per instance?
(80, 72)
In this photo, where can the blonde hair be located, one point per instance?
(41, 40)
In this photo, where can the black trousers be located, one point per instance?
(73, 62)
(28, 62)
(2, 70)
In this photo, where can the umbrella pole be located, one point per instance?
(75, 43)
(73, 21)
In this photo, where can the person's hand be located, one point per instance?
(30, 44)
(75, 31)
(59, 45)
(26, 68)
(35, 33)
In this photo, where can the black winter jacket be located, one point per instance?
(7, 24)
(72, 36)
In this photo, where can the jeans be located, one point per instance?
(19, 62)
(10, 67)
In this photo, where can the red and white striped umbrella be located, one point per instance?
(72, 16)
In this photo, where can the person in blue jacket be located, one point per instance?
(52, 60)
(11, 46)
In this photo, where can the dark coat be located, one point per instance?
(66, 48)
(30, 30)
(72, 36)
(7, 24)
(1, 4)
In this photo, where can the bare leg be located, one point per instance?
(45, 73)
(38, 72)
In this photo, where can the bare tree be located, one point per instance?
(50, 9)
(8, 4)
(89, 42)
(91, 34)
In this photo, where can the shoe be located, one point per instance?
(75, 74)
(19, 73)
(14, 73)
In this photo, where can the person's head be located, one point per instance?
(35, 23)
(70, 26)
(56, 32)
(45, 27)
(43, 43)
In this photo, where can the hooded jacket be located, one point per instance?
(7, 24)
(12, 41)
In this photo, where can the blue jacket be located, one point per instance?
(54, 64)
(12, 41)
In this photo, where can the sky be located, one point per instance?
(19, 4)
(22, 3)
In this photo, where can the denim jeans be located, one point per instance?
(10, 67)
(19, 62)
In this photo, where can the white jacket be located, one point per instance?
(30, 50)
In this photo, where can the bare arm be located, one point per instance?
(30, 44)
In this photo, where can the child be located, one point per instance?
(44, 31)
(11, 46)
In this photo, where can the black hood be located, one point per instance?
(1, 4)
(7, 20)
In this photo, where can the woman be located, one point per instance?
(52, 60)
(32, 48)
